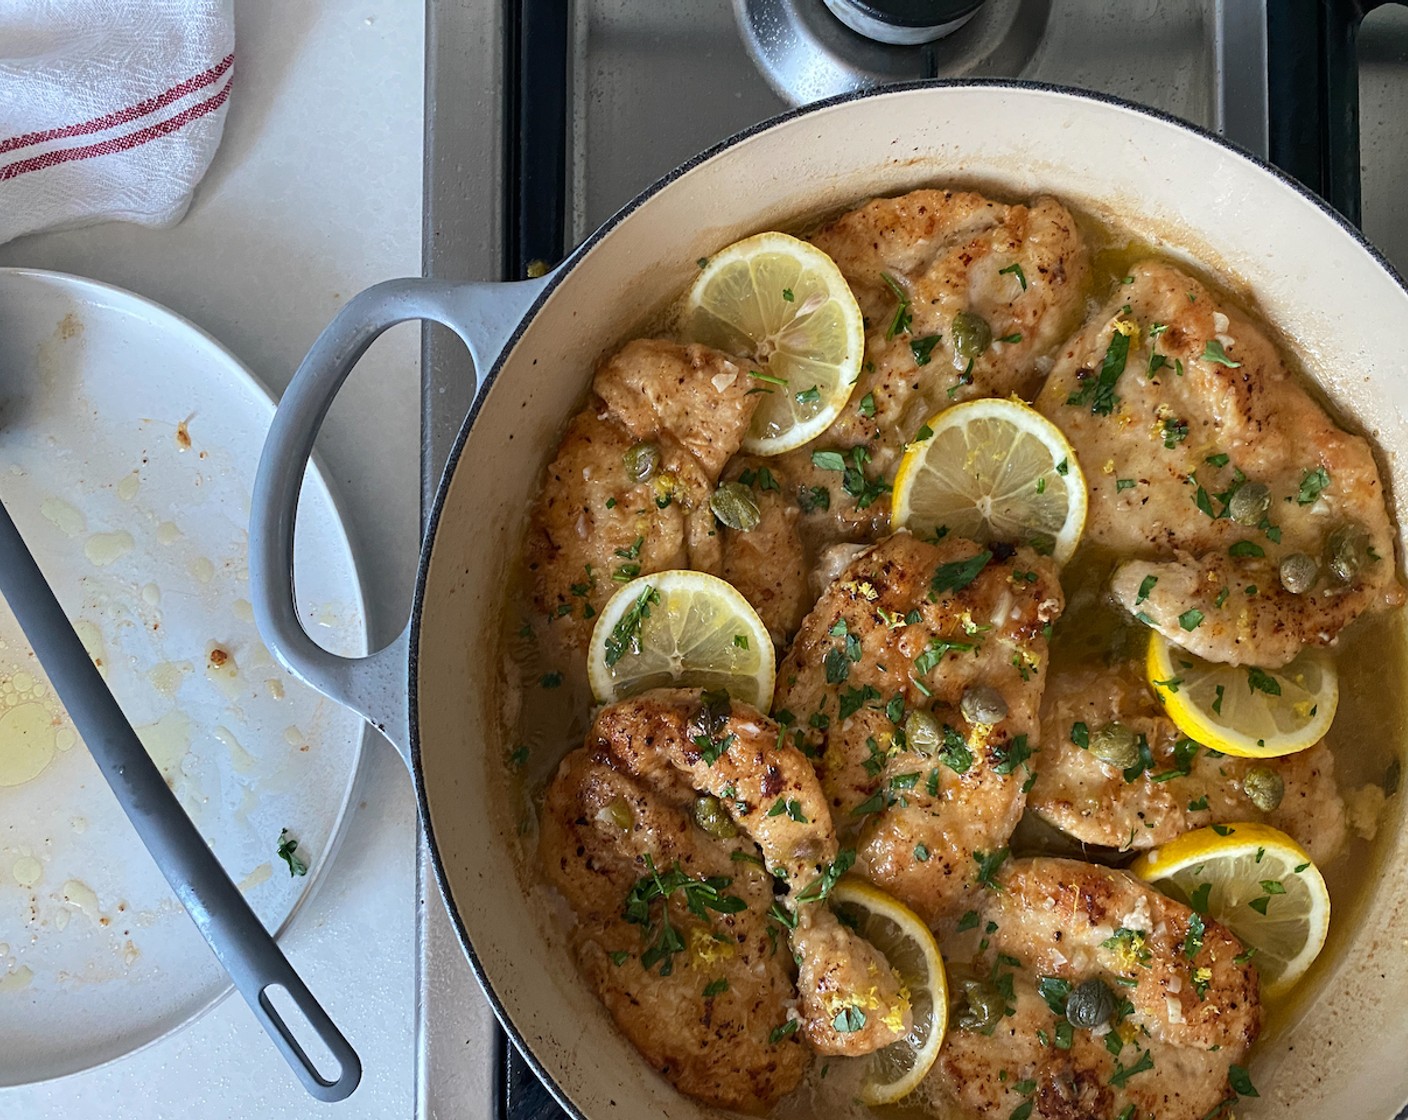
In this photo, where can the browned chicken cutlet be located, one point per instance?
(601, 517)
(1020, 268)
(1178, 786)
(874, 688)
(1181, 1007)
(1209, 465)
(762, 809)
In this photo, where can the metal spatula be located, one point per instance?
(244, 947)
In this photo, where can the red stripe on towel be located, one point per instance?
(117, 144)
(122, 116)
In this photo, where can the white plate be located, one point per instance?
(128, 444)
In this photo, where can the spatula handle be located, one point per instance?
(231, 929)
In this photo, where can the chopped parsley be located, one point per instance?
(1193, 939)
(1259, 680)
(550, 680)
(988, 865)
(1241, 1082)
(900, 323)
(715, 988)
(938, 649)
(854, 699)
(812, 498)
(954, 754)
(625, 635)
(849, 1020)
(1190, 619)
(700, 895)
(1146, 585)
(923, 348)
(1015, 269)
(1246, 549)
(779, 1033)
(1121, 1074)
(1017, 337)
(1213, 352)
(787, 295)
(288, 852)
(958, 574)
(1311, 484)
(824, 883)
(1123, 484)
(1100, 392)
(921, 853)
(1014, 754)
(809, 396)
(1219, 460)
(968, 921)
(1175, 432)
(867, 405)
(1080, 735)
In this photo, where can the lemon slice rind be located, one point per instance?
(1248, 721)
(1236, 859)
(680, 629)
(784, 304)
(894, 1071)
(993, 469)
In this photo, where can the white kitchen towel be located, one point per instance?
(109, 109)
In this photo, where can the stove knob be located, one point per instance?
(904, 23)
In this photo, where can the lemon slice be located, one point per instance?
(680, 628)
(784, 304)
(993, 470)
(1241, 710)
(1256, 881)
(893, 1071)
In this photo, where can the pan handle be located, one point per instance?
(484, 316)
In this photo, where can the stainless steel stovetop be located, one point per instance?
(545, 116)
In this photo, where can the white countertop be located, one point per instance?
(314, 194)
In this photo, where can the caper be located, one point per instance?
(734, 506)
(1263, 787)
(1344, 552)
(709, 815)
(983, 704)
(1114, 743)
(1299, 572)
(642, 461)
(1090, 1004)
(618, 812)
(983, 1006)
(971, 335)
(1249, 503)
(922, 733)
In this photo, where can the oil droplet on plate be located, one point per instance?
(92, 639)
(27, 871)
(202, 569)
(166, 676)
(240, 758)
(275, 688)
(82, 897)
(65, 518)
(259, 875)
(14, 981)
(293, 737)
(130, 953)
(128, 487)
(151, 595)
(65, 738)
(27, 743)
(168, 741)
(103, 549)
(243, 610)
(168, 532)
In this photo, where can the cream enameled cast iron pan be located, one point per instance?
(436, 692)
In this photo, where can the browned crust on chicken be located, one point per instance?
(946, 250)
(921, 821)
(593, 525)
(1093, 802)
(1166, 448)
(1191, 1016)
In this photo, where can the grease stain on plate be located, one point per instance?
(27, 871)
(259, 875)
(18, 979)
(103, 549)
(64, 517)
(28, 741)
(168, 741)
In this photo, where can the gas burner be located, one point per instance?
(810, 49)
(904, 23)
